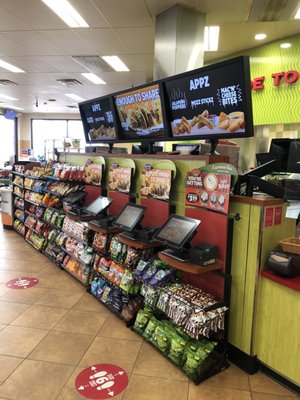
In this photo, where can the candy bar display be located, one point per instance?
(19, 202)
(19, 214)
(19, 226)
(79, 230)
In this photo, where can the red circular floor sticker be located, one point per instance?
(22, 283)
(101, 381)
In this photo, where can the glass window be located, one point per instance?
(7, 148)
(49, 134)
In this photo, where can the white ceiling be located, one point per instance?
(34, 39)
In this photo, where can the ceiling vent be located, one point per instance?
(72, 106)
(272, 10)
(6, 82)
(93, 63)
(69, 82)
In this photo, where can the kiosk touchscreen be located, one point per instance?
(129, 218)
(176, 233)
(95, 208)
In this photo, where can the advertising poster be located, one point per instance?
(208, 190)
(208, 102)
(156, 183)
(97, 119)
(93, 174)
(140, 113)
(120, 179)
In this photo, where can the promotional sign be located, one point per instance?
(120, 179)
(269, 216)
(101, 381)
(210, 101)
(156, 183)
(22, 283)
(140, 113)
(97, 119)
(93, 173)
(208, 190)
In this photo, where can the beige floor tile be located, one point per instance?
(22, 265)
(84, 322)
(3, 289)
(18, 254)
(204, 392)
(50, 278)
(42, 317)
(36, 380)
(6, 276)
(60, 298)
(116, 328)
(71, 284)
(88, 303)
(149, 388)
(112, 351)
(8, 365)
(10, 311)
(69, 391)
(232, 378)
(2, 327)
(62, 348)
(265, 396)
(19, 341)
(28, 296)
(151, 363)
(263, 384)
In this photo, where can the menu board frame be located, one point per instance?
(87, 126)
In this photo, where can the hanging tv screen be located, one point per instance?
(98, 120)
(211, 102)
(141, 114)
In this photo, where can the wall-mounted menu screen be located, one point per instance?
(211, 102)
(98, 120)
(140, 114)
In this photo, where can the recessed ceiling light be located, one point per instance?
(115, 62)
(297, 15)
(67, 13)
(3, 96)
(93, 78)
(260, 36)
(285, 45)
(10, 67)
(11, 107)
(74, 96)
(211, 38)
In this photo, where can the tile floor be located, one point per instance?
(50, 332)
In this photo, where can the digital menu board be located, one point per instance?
(98, 120)
(140, 114)
(211, 102)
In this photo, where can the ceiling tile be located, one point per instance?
(103, 41)
(63, 63)
(138, 62)
(90, 13)
(34, 64)
(9, 22)
(68, 41)
(137, 40)
(125, 13)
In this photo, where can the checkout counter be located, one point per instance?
(265, 309)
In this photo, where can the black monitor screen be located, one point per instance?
(130, 216)
(211, 102)
(279, 151)
(140, 113)
(98, 120)
(177, 231)
(294, 157)
(98, 205)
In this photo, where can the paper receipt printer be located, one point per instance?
(203, 254)
(285, 264)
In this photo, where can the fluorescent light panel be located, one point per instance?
(93, 78)
(74, 96)
(115, 62)
(67, 13)
(10, 67)
(3, 96)
(211, 38)
(260, 36)
(11, 107)
(285, 45)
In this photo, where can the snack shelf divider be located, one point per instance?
(21, 220)
(18, 195)
(18, 173)
(75, 258)
(75, 276)
(137, 244)
(17, 184)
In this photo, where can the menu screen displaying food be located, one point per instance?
(211, 101)
(98, 120)
(140, 113)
